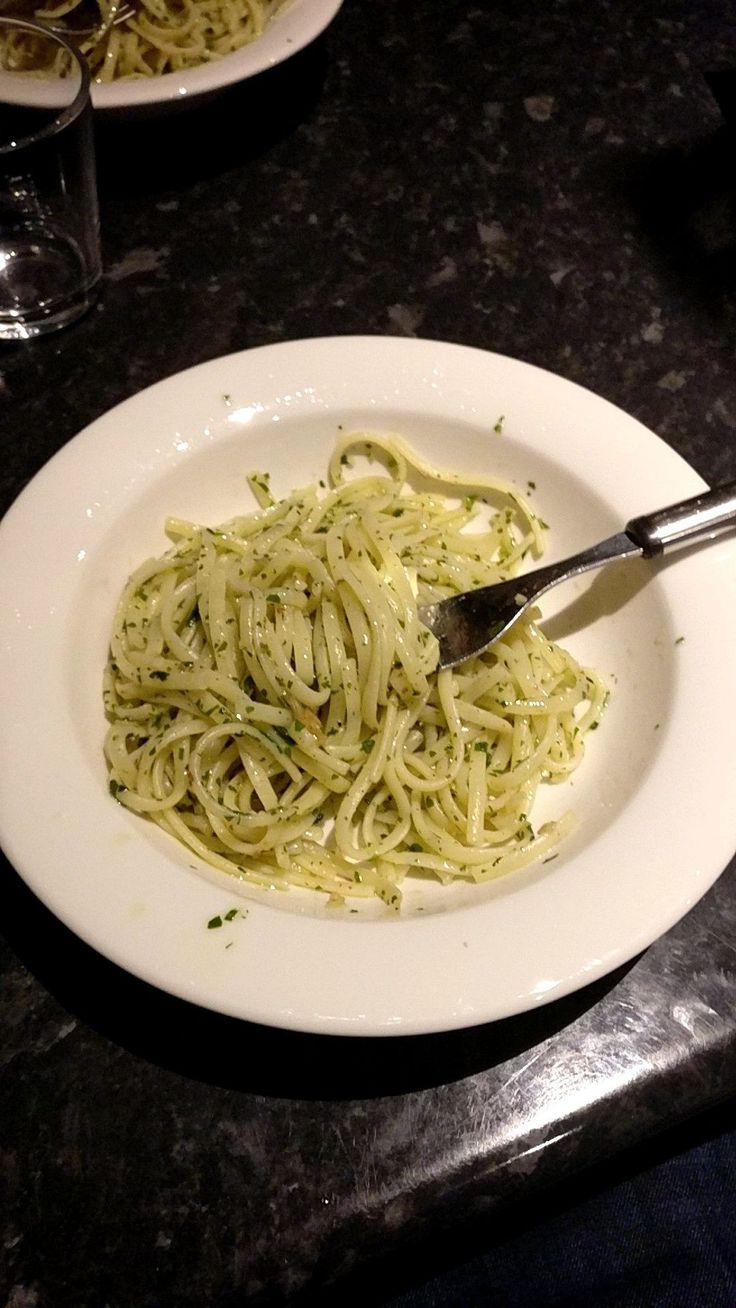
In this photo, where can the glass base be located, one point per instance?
(43, 285)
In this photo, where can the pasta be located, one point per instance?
(162, 36)
(274, 701)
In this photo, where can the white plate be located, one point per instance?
(291, 30)
(654, 794)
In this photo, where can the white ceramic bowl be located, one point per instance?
(291, 30)
(654, 794)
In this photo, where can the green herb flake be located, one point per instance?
(231, 913)
(680, 640)
(367, 746)
(214, 923)
(498, 426)
(159, 676)
(116, 787)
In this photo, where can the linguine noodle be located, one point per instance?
(274, 701)
(162, 36)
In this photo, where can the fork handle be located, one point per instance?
(699, 518)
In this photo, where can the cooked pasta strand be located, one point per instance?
(162, 36)
(274, 700)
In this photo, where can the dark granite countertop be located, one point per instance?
(554, 183)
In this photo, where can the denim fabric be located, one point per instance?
(663, 1239)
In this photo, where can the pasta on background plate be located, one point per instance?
(274, 701)
(162, 36)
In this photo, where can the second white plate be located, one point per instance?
(298, 24)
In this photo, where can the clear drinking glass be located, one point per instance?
(49, 225)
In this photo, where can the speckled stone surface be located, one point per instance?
(554, 182)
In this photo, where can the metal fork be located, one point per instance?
(467, 624)
(96, 32)
(71, 29)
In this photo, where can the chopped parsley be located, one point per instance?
(216, 922)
